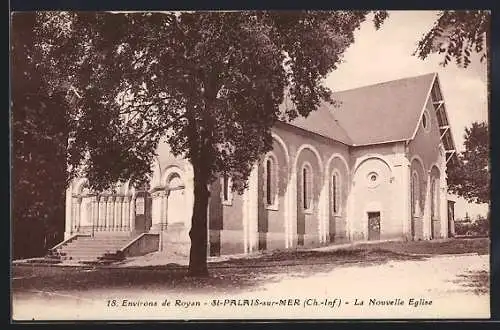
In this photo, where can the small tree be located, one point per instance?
(482, 226)
(469, 177)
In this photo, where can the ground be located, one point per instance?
(448, 279)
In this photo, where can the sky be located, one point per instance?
(386, 54)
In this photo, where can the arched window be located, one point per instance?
(336, 193)
(271, 181)
(225, 188)
(226, 192)
(307, 183)
(414, 193)
(175, 182)
(435, 199)
(269, 187)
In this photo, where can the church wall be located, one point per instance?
(231, 231)
(337, 229)
(385, 194)
(226, 222)
(271, 218)
(166, 158)
(308, 219)
(305, 225)
(426, 144)
(419, 202)
(425, 147)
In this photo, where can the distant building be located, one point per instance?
(371, 168)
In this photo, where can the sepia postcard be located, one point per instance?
(250, 165)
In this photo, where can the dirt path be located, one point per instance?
(452, 286)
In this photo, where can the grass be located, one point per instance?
(244, 273)
(480, 246)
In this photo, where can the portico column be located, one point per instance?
(98, 212)
(94, 211)
(77, 213)
(125, 213)
(132, 212)
(102, 212)
(68, 215)
(110, 212)
(118, 213)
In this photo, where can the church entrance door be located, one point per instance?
(373, 226)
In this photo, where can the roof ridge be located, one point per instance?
(384, 82)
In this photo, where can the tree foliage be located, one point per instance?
(210, 84)
(457, 34)
(469, 177)
(39, 137)
(479, 227)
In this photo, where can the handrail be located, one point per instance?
(69, 239)
(135, 240)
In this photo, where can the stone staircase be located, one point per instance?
(100, 248)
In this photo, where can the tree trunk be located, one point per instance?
(198, 232)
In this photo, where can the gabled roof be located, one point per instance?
(323, 122)
(380, 113)
(384, 112)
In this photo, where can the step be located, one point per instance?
(102, 234)
(87, 253)
(101, 240)
(91, 243)
(99, 243)
(80, 259)
(102, 246)
(91, 247)
(81, 253)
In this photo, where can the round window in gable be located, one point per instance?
(426, 121)
(373, 179)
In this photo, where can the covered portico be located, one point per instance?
(125, 210)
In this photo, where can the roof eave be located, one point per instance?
(423, 107)
(380, 142)
(311, 132)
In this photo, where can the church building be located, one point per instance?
(372, 167)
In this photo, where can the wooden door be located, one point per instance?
(373, 226)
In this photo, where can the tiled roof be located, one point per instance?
(384, 112)
(323, 123)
